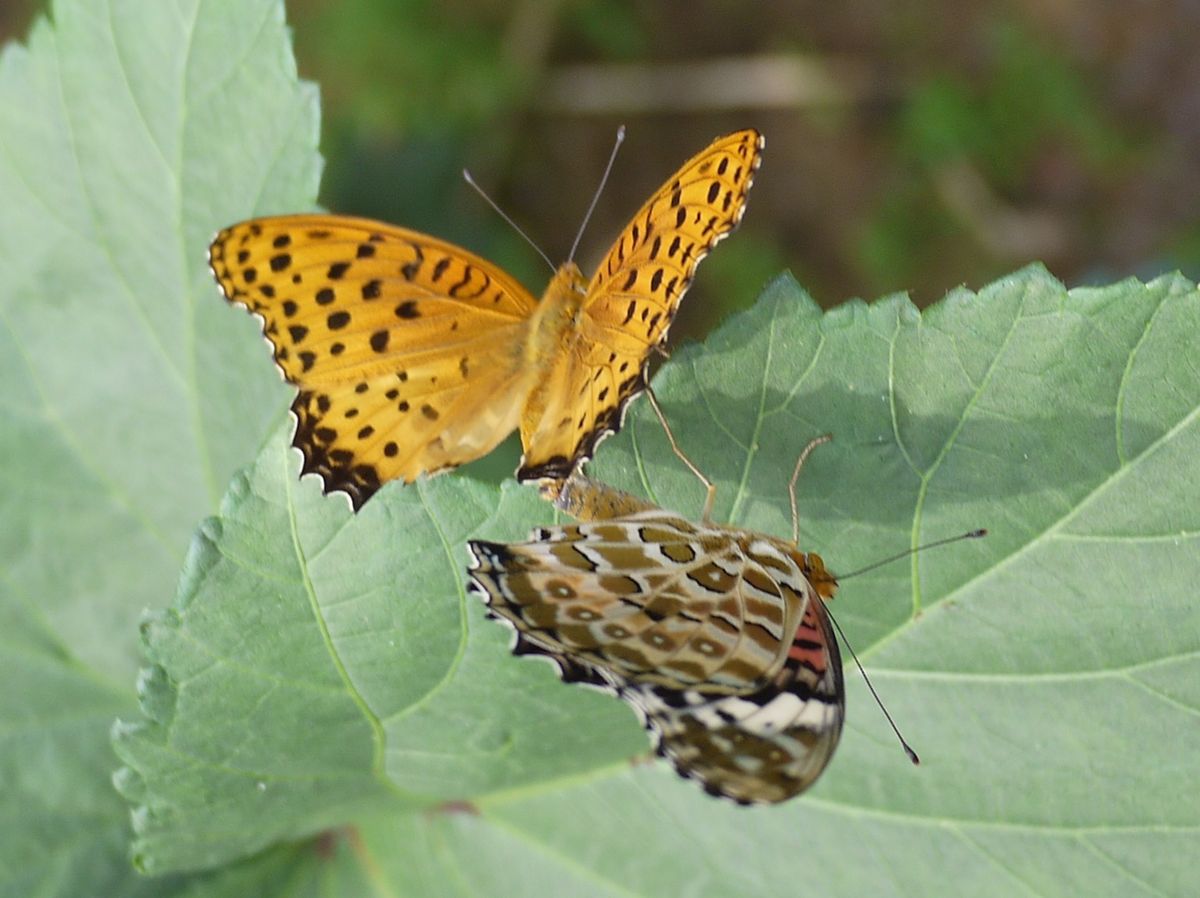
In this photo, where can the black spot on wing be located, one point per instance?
(336, 465)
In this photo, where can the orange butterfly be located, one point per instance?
(413, 356)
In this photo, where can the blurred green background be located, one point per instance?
(913, 146)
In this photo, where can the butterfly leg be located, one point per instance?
(709, 486)
(804, 453)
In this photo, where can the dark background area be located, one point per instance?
(914, 146)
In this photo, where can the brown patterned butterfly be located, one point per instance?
(717, 636)
(413, 356)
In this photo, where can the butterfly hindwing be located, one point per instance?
(358, 435)
(763, 746)
(560, 428)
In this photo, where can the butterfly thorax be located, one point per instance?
(552, 324)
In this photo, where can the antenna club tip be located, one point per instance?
(620, 132)
(912, 756)
(976, 534)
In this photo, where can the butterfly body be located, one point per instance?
(718, 637)
(554, 337)
(412, 355)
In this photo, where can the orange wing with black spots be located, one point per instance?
(631, 302)
(408, 351)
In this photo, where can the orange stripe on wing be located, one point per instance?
(808, 645)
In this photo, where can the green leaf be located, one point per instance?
(129, 132)
(324, 669)
(326, 675)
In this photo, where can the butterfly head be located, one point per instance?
(822, 579)
(568, 280)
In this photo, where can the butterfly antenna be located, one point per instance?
(709, 486)
(804, 453)
(841, 635)
(970, 534)
(908, 749)
(512, 224)
(612, 157)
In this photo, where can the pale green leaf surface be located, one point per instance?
(130, 393)
(323, 669)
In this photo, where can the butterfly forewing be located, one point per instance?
(644, 275)
(631, 302)
(651, 596)
(406, 349)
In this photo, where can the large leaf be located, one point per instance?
(326, 669)
(129, 131)
(320, 670)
